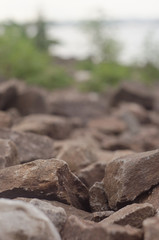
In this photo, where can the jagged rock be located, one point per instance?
(127, 177)
(151, 228)
(132, 215)
(99, 216)
(47, 179)
(29, 146)
(77, 155)
(151, 197)
(52, 126)
(8, 154)
(21, 221)
(86, 230)
(97, 198)
(57, 215)
(70, 210)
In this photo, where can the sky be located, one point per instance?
(60, 10)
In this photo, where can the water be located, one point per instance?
(132, 36)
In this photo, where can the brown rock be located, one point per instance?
(127, 177)
(97, 198)
(86, 230)
(151, 228)
(8, 92)
(132, 215)
(134, 92)
(29, 146)
(108, 125)
(8, 153)
(47, 179)
(151, 197)
(77, 155)
(99, 216)
(5, 120)
(52, 126)
(70, 210)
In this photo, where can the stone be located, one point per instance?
(133, 92)
(57, 215)
(86, 230)
(97, 198)
(47, 179)
(8, 153)
(77, 155)
(71, 103)
(128, 177)
(70, 210)
(44, 124)
(29, 146)
(5, 120)
(99, 216)
(8, 93)
(151, 228)
(21, 221)
(108, 125)
(151, 197)
(132, 215)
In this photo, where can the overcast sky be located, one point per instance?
(77, 9)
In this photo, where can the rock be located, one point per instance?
(108, 125)
(52, 126)
(97, 198)
(133, 92)
(127, 177)
(71, 103)
(47, 179)
(77, 155)
(8, 153)
(29, 100)
(5, 120)
(70, 210)
(151, 197)
(151, 228)
(132, 215)
(8, 93)
(21, 221)
(99, 216)
(57, 215)
(86, 230)
(29, 146)
(92, 173)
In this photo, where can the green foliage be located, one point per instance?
(106, 74)
(20, 58)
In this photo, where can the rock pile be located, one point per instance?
(77, 166)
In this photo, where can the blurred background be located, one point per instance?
(87, 44)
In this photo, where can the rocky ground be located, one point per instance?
(79, 166)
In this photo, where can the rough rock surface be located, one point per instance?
(29, 146)
(52, 126)
(8, 154)
(85, 230)
(21, 221)
(133, 215)
(151, 228)
(49, 179)
(127, 177)
(77, 156)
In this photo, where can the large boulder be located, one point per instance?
(127, 177)
(21, 221)
(47, 179)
